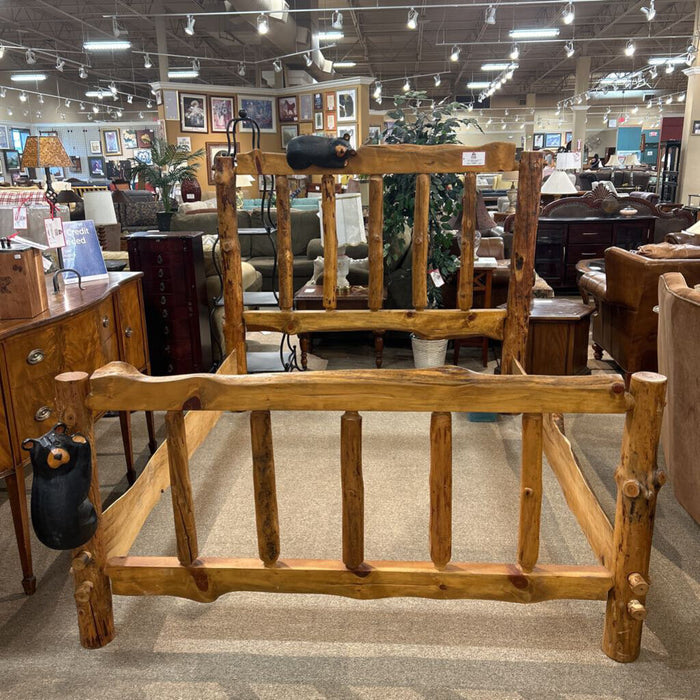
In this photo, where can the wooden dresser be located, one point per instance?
(175, 295)
(81, 331)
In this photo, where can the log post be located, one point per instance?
(265, 489)
(420, 242)
(353, 489)
(181, 488)
(234, 326)
(93, 594)
(330, 242)
(376, 242)
(634, 517)
(465, 291)
(285, 257)
(440, 488)
(530, 492)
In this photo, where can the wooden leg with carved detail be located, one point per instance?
(18, 505)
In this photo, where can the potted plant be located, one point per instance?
(169, 167)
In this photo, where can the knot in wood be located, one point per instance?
(631, 488)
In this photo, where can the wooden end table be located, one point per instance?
(310, 298)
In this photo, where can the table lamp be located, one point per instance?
(45, 152)
(558, 183)
(99, 206)
(631, 160)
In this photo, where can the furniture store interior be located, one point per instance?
(251, 242)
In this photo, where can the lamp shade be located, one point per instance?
(558, 183)
(45, 152)
(244, 180)
(631, 160)
(350, 227)
(99, 207)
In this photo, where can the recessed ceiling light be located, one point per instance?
(107, 45)
(547, 33)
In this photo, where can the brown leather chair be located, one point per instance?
(679, 352)
(625, 294)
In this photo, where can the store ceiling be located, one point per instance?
(378, 40)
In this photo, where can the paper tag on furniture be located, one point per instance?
(474, 158)
(19, 217)
(54, 233)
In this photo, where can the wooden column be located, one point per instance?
(440, 489)
(285, 257)
(465, 291)
(264, 485)
(93, 595)
(420, 242)
(638, 482)
(530, 492)
(522, 261)
(181, 488)
(330, 242)
(376, 242)
(234, 327)
(353, 489)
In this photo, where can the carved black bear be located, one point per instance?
(62, 515)
(304, 151)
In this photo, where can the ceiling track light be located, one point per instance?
(277, 65)
(490, 15)
(669, 68)
(189, 25)
(263, 23)
(454, 54)
(514, 52)
(337, 20)
(30, 56)
(653, 73)
(569, 49)
(68, 103)
(649, 12)
(23, 96)
(41, 99)
(681, 97)
(149, 104)
(567, 14)
(130, 99)
(2, 50)
(630, 48)
(437, 79)
(407, 85)
(147, 62)
(60, 64)
(95, 109)
(377, 90)
(669, 99)
(308, 60)
(113, 88)
(140, 115)
(241, 69)
(81, 106)
(412, 21)
(82, 73)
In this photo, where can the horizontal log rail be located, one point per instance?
(432, 324)
(210, 577)
(119, 386)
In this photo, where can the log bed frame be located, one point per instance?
(194, 403)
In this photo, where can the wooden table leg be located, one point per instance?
(152, 442)
(305, 342)
(18, 506)
(125, 421)
(378, 348)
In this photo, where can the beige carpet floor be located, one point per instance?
(269, 646)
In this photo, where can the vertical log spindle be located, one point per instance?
(285, 257)
(353, 489)
(420, 242)
(440, 488)
(465, 292)
(330, 242)
(376, 242)
(530, 492)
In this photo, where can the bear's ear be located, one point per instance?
(347, 137)
(27, 444)
(60, 428)
(79, 438)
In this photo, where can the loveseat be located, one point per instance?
(622, 179)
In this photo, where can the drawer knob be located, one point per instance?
(160, 272)
(42, 414)
(128, 331)
(162, 286)
(163, 300)
(35, 356)
(105, 321)
(164, 313)
(159, 259)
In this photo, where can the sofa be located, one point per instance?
(625, 291)
(621, 178)
(679, 353)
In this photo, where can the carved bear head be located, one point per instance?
(56, 452)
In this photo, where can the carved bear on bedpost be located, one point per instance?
(62, 514)
(305, 151)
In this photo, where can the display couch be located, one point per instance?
(621, 178)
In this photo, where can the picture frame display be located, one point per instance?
(96, 166)
(144, 138)
(76, 165)
(347, 105)
(287, 109)
(144, 155)
(330, 102)
(306, 128)
(129, 139)
(211, 149)
(262, 110)
(351, 131)
(12, 160)
(696, 127)
(111, 141)
(95, 148)
(330, 121)
(552, 140)
(375, 134)
(18, 138)
(318, 100)
(318, 121)
(537, 141)
(184, 142)
(193, 113)
(568, 136)
(221, 110)
(306, 107)
(288, 131)
(4, 139)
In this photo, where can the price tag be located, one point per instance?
(19, 217)
(473, 157)
(54, 233)
(437, 278)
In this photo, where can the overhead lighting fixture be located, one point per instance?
(470, 107)
(490, 15)
(567, 14)
(277, 65)
(41, 99)
(454, 54)
(119, 113)
(514, 52)
(68, 103)
(60, 64)
(670, 68)
(503, 126)
(23, 96)
(478, 85)
(406, 86)
(183, 73)
(113, 88)
(81, 106)
(630, 48)
(569, 49)
(669, 99)
(149, 105)
(82, 73)
(140, 115)
(147, 61)
(30, 56)
(377, 90)
(653, 73)
(649, 12)
(308, 60)
(2, 50)
(337, 20)
(343, 64)
(546, 33)
(95, 109)
(495, 66)
(241, 69)
(9, 112)
(130, 99)
(27, 77)
(412, 21)
(263, 23)
(437, 79)
(108, 45)
(189, 25)
(649, 104)
(663, 60)
(330, 35)
(681, 97)
(635, 109)
(117, 29)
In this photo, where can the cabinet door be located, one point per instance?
(131, 324)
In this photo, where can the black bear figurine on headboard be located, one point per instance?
(305, 151)
(62, 514)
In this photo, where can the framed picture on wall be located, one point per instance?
(568, 136)
(76, 165)
(18, 137)
(348, 132)
(375, 134)
(211, 149)
(330, 102)
(318, 121)
(144, 138)
(193, 112)
(347, 105)
(262, 110)
(318, 100)
(306, 128)
(537, 141)
(96, 166)
(51, 132)
(222, 110)
(12, 160)
(552, 141)
(129, 138)
(4, 141)
(184, 142)
(330, 121)
(287, 108)
(696, 127)
(289, 131)
(95, 147)
(111, 141)
(306, 107)
(144, 155)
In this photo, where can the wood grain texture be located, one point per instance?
(530, 492)
(440, 488)
(522, 262)
(445, 388)
(264, 487)
(93, 595)
(353, 489)
(330, 242)
(234, 328)
(285, 257)
(420, 243)
(634, 514)
(577, 492)
(376, 242)
(431, 323)
(465, 290)
(211, 577)
(181, 488)
(402, 158)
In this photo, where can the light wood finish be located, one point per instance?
(634, 516)
(433, 323)
(530, 492)
(450, 388)
(285, 257)
(181, 488)
(378, 160)
(579, 497)
(440, 488)
(330, 242)
(420, 242)
(522, 261)
(465, 291)
(636, 610)
(234, 328)
(376, 242)
(265, 489)
(353, 489)
(638, 584)
(212, 577)
(92, 588)
(23, 290)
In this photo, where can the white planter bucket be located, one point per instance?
(428, 353)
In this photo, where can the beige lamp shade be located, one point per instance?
(45, 152)
(558, 183)
(244, 180)
(99, 207)
(631, 160)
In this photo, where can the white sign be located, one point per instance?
(569, 161)
(54, 233)
(474, 158)
(19, 217)
(435, 275)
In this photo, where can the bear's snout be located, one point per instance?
(57, 457)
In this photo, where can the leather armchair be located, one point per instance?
(625, 295)
(679, 352)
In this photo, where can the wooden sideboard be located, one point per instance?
(562, 242)
(81, 331)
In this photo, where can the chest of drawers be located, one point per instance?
(175, 296)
